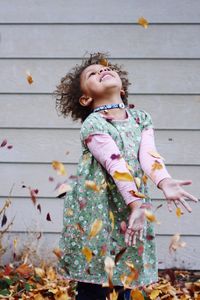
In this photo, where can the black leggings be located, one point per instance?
(90, 291)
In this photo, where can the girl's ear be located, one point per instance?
(85, 101)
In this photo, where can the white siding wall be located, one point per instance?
(48, 38)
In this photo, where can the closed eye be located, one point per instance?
(91, 74)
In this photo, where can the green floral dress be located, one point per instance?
(83, 252)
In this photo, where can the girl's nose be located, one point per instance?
(104, 69)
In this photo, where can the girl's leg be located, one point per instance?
(90, 291)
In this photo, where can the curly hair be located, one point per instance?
(69, 91)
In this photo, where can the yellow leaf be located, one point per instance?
(112, 219)
(144, 178)
(92, 185)
(40, 272)
(136, 295)
(15, 243)
(137, 182)
(150, 216)
(59, 167)
(69, 212)
(95, 228)
(137, 194)
(113, 295)
(88, 253)
(155, 154)
(143, 22)
(51, 274)
(123, 176)
(39, 297)
(154, 294)
(178, 212)
(156, 165)
(103, 62)
(62, 296)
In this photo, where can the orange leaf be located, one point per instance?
(150, 216)
(178, 212)
(143, 22)
(103, 62)
(59, 167)
(88, 253)
(92, 185)
(156, 165)
(144, 178)
(155, 154)
(29, 77)
(123, 176)
(136, 295)
(24, 270)
(95, 228)
(137, 194)
(57, 252)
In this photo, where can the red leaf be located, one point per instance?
(4, 220)
(4, 143)
(33, 196)
(149, 237)
(89, 139)
(140, 250)
(10, 147)
(7, 270)
(131, 105)
(115, 156)
(48, 217)
(36, 191)
(137, 120)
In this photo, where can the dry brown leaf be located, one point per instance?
(136, 295)
(29, 77)
(176, 243)
(150, 216)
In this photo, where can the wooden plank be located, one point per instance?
(37, 177)
(167, 111)
(45, 41)
(49, 11)
(186, 258)
(46, 145)
(27, 217)
(146, 76)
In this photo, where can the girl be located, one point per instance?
(106, 237)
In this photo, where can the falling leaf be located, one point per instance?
(95, 228)
(131, 105)
(103, 62)
(144, 179)
(140, 250)
(155, 154)
(4, 220)
(143, 22)
(4, 143)
(154, 294)
(137, 182)
(79, 227)
(24, 270)
(88, 139)
(115, 156)
(149, 237)
(48, 217)
(112, 219)
(119, 255)
(9, 146)
(88, 253)
(92, 185)
(178, 212)
(109, 265)
(63, 189)
(33, 194)
(39, 207)
(57, 252)
(137, 194)
(29, 77)
(150, 216)
(136, 295)
(113, 295)
(176, 243)
(122, 176)
(51, 178)
(103, 250)
(59, 167)
(156, 165)
(15, 243)
(69, 212)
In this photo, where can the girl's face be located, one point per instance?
(98, 81)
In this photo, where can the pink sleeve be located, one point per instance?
(147, 160)
(102, 146)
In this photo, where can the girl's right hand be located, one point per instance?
(135, 224)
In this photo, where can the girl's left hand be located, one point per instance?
(174, 193)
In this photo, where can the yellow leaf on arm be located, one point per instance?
(136, 295)
(112, 219)
(88, 253)
(144, 178)
(59, 167)
(92, 185)
(122, 176)
(156, 165)
(154, 294)
(95, 228)
(143, 22)
(137, 194)
(155, 154)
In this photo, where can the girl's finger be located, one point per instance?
(185, 204)
(133, 240)
(141, 235)
(169, 205)
(188, 195)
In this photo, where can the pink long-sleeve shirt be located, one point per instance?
(102, 147)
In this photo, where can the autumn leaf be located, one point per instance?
(178, 212)
(154, 294)
(119, 255)
(3, 144)
(59, 167)
(95, 228)
(9, 146)
(63, 189)
(150, 216)
(137, 194)
(155, 154)
(33, 193)
(156, 165)
(103, 250)
(92, 185)
(103, 62)
(57, 252)
(51, 178)
(144, 179)
(137, 182)
(112, 219)
(79, 227)
(115, 156)
(123, 176)
(69, 212)
(128, 279)
(88, 139)
(109, 265)
(143, 22)
(88, 253)
(176, 243)
(39, 207)
(4, 220)
(140, 250)
(29, 77)
(113, 295)
(136, 295)
(48, 217)
(24, 270)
